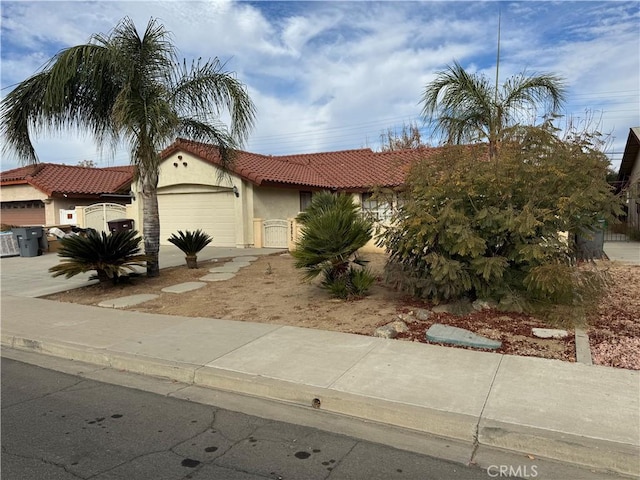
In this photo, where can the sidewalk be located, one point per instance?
(586, 418)
(628, 252)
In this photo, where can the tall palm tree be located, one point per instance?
(468, 108)
(131, 88)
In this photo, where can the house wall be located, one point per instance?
(183, 173)
(633, 216)
(275, 203)
(15, 193)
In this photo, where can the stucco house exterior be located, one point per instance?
(629, 178)
(47, 194)
(253, 202)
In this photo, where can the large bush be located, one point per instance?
(333, 230)
(502, 229)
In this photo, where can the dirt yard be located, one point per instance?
(270, 291)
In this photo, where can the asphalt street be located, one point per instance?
(57, 426)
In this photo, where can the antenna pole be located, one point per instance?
(498, 56)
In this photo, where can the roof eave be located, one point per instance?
(630, 155)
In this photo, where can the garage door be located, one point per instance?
(213, 213)
(23, 213)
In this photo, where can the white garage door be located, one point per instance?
(213, 213)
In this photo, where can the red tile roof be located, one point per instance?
(55, 179)
(341, 170)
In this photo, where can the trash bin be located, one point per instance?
(28, 240)
(590, 243)
(120, 225)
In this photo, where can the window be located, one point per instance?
(374, 208)
(305, 200)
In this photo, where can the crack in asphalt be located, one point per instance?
(24, 402)
(46, 462)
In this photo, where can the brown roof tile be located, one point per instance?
(54, 179)
(341, 170)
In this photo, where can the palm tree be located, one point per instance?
(131, 88)
(468, 108)
(333, 230)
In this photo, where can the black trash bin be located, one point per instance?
(29, 240)
(120, 225)
(590, 243)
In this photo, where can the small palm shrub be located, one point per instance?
(112, 256)
(191, 243)
(332, 232)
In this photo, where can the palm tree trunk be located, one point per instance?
(151, 225)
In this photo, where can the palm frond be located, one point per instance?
(206, 90)
(466, 107)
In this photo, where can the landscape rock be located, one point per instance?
(391, 330)
(386, 331)
(399, 326)
(422, 314)
(459, 336)
(444, 308)
(458, 308)
(407, 317)
(549, 333)
(479, 305)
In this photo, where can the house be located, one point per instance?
(253, 201)
(629, 178)
(47, 194)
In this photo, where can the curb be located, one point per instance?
(467, 434)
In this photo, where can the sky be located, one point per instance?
(335, 75)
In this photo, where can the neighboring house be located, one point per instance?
(251, 203)
(629, 178)
(46, 194)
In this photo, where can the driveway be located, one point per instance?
(30, 277)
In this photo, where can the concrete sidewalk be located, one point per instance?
(627, 252)
(477, 407)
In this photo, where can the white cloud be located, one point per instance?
(333, 75)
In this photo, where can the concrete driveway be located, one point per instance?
(30, 277)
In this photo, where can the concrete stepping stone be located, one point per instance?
(184, 287)
(217, 277)
(459, 336)
(129, 301)
(232, 267)
(549, 333)
(246, 258)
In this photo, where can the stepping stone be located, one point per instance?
(232, 267)
(246, 258)
(549, 333)
(184, 287)
(459, 336)
(240, 264)
(129, 301)
(217, 277)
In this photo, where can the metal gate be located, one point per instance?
(275, 233)
(96, 216)
(616, 232)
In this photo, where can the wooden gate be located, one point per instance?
(275, 233)
(96, 216)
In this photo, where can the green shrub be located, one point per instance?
(112, 256)
(191, 243)
(333, 230)
(470, 227)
